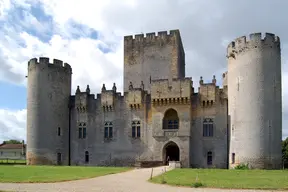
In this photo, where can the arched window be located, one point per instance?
(209, 158)
(171, 119)
(86, 157)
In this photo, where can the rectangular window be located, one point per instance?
(136, 129)
(108, 130)
(233, 158)
(59, 131)
(133, 131)
(82, 134)
(208, 127)
(209, 158)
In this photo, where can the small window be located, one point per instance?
(59, 131)
(136, 129)
(80, 133)
(233, 158)
(209, 158)
(133, 131)
(108, 130)
(208, 127)
(86, 157)
(84, 132)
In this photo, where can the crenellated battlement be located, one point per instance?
(255, 40)
(46, 61)
(152, 36)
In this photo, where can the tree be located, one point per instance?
(285, 151)
(12, 141)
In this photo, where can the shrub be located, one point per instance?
(242, 166)
(197, 184)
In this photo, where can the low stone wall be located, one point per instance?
(175, 164)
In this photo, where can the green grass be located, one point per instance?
(33, 174)
(221, 178)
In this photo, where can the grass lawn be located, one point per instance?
(221, 178)
(22, 173)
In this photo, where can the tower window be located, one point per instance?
(208, 127)
(59, 131)
(108, 130)
(209, 158)
(82, 133)
(136, 129)
(233, 158)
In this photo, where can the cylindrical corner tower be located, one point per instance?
(48, 95)
(255, 102)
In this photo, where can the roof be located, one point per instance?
(11, 146)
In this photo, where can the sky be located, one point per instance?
(88, 34)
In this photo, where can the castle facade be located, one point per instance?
(161, 115)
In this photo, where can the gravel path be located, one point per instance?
(131, 181)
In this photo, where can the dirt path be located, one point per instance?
(131, 181)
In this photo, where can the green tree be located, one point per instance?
(285, 150)
(12, 141)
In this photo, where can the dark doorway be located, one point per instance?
(171, 152)
(86, 157)
(59, 158)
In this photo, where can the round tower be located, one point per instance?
(48, 95)
(255, 102)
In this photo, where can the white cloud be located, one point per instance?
(205, 36)
(12, 123)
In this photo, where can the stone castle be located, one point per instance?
(161, 116)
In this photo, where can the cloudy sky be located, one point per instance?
(88, 34)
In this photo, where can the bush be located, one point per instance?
(197, 184)
(242, 166)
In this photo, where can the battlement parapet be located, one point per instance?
(255, 40)
(141, 40)
(152, 35)
(46, 61)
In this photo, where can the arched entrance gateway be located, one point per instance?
(171, 152)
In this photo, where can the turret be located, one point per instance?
(48, 94)
(254, 101)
